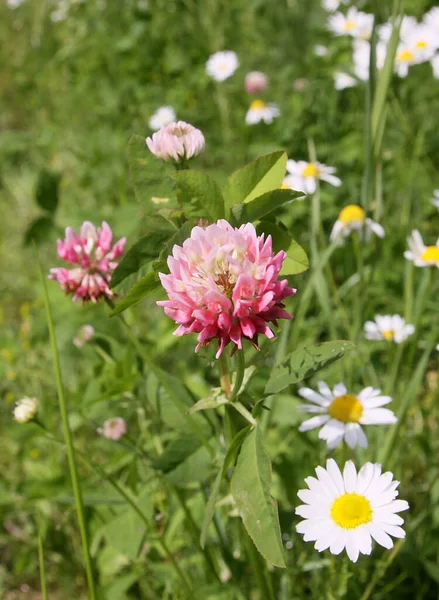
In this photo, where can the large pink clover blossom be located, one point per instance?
(94, 259)
(223, 284)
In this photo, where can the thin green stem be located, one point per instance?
(260, 570)
(239, 374)
(42, 569)
(244, 412)
(408, 291)
(68, 441)
(390, 384)
(226, 386)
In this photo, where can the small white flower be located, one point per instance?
(163, 116)
(391, 328)
(261, 111)
(431, 18)
(355, 23)
(320, 50)
(345, 511)
(303, 175)
(352, 218)
(25, 409)
(435, 199)
(84, 335)
(222, 65)
(435, 66)
(330, 5)
(342, 414)
(419, 253)
(344, 80)
(361, 58)
(114, 428)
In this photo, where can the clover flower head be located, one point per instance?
(176, 141)
(224, 285)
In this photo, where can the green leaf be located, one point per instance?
(150, 176)
(280, 238)
(305, 362)
(143, 251)
(176, 452)
(296, 261)
(199, 186)
(250, 486)
(213, 400)
(47, 192)
(195, 469)
(258, 177)
(143, 287)
(177, 239)
(233, 450)
(263, 205)
(40, 230)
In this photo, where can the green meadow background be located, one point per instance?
(72, 93)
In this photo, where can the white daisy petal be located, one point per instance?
(340, 389)
(313, 423)
(325, 390)
(335, 473)
(364, 478)
(339, 542)
(380, 536)
(350, 477)
(352, 548)
(312, 396)
(378, 416)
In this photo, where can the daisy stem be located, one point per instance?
(42, 569)
(260, 570)
(223, 107)
(408, 291)
(77, 492)
(390, 383)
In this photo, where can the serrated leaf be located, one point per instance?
(296, 260)
(143, 287)
(150, 176)
(176, 452)
(143, 251)
(195, 469)
(229, 458)
(304, 363)
(258, 177)
(250, 486)
(263, 205)
(47, 192)
(199, 186)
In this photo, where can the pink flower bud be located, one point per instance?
(176, 141)
(114, 428)
(256, 82)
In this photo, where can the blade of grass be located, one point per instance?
(42, 570)
(68, 439)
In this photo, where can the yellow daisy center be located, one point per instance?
(388, 334)
(421, 44)
(349, 25)
(257, 105)
(346, 408)
(351, 510)
(431, 253)
(351, 214)
(311, 170)
(405, 55)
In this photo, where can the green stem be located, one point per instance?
(408, 291)
(42, 570)
(239, 375)
(223, 107)
(226, 386)
(245, 413)
(68, 440)
(260, 570)
(390, 384)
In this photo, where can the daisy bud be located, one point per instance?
(256, 82)
(25, 409)
(176, 141)
(114, 428)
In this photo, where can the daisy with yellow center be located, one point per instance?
(303, 175)
(355, 23)
(347, 510)
(341, 414)
(391, 328)
(261, 111)
(351, 218)
(419, 253)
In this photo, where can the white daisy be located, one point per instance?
(422, 40)
(345, 511)
(391, 328)
(330, 5)
(419, 253)
(431, 18)
(303, 175)
(162, 117)
(344, 80)
(351, 218)
(342, 414)
(435, 199)
(361, 58)
(355, 23)
(222, 65)
(435, 65)
(261, 111)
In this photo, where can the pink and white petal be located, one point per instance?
(313, 423)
